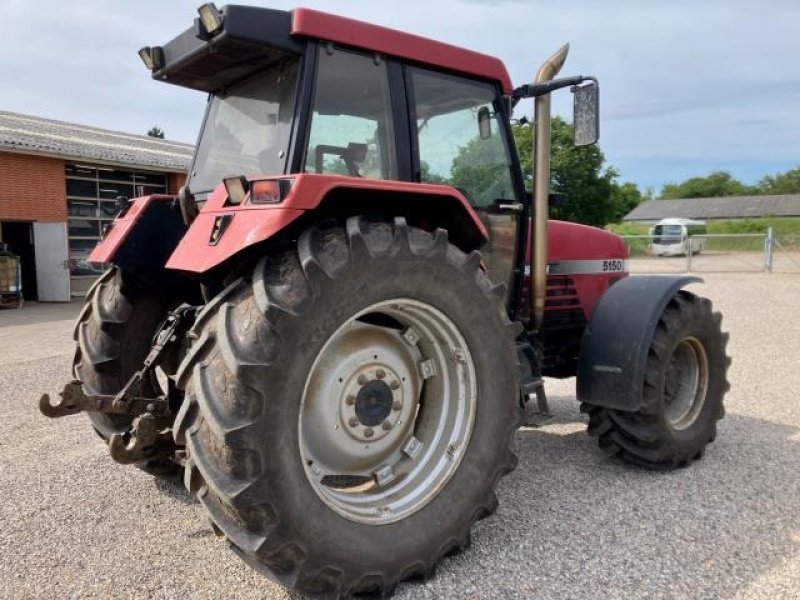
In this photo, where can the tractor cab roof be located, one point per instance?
(250, 39)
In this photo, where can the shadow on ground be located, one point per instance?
(576, 523)
(589, 525)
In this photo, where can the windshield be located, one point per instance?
(668, 234)
(247, 129)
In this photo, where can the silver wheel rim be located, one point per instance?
(686, 383)
(387, 411)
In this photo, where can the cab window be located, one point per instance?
(351, 126)
(460, 138)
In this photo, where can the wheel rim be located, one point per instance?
(686, 383)
(387, 411)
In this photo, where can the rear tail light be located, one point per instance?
(271, 191)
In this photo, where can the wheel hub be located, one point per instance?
(371, 405)
(374, 403)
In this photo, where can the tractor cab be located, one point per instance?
(290, 93)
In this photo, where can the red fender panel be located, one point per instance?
(249, 224)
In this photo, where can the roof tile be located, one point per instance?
(25, 133)
(729, 207)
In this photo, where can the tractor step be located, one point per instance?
(537, 413)
(531, 385)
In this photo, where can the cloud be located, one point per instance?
(680, 81)
(721, 94)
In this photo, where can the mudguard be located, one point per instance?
(616, 342)
(221, 232)
(141, 239)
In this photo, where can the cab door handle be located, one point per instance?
(516, 207)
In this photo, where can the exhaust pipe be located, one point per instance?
(541, 181)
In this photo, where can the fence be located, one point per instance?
(720, 253)
(785, 255)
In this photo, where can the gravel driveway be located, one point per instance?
(572, 523)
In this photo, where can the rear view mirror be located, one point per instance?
(484, 123)
(586, 114)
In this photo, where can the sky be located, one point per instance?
(687, 87)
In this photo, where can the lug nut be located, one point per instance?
(353, 422)
(394, 385)
(368, 432)
(386, 425)
(397, 405)
(362, 379)
(350, 400)
(380, 373)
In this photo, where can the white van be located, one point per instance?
(674, 237)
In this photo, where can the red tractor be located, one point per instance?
(308, 332)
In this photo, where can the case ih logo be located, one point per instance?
(220, 225)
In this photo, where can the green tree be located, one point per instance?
(428, 177)
(593, 195)
(156, 132)
(780, 183)
(624, 198)
(717, 184)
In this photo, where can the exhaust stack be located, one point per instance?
(541, 181)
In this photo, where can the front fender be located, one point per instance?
(616, 342)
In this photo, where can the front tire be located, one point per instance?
(685, 383)
(261, 441)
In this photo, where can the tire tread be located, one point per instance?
(280, 288)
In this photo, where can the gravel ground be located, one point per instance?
(572, 523)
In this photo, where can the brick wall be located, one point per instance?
(175, 181)
(32, 188)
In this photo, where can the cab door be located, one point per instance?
(460, 138)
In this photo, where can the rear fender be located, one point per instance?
(616, 342)
(221, 233)
(142, 238)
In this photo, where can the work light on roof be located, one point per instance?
(153, 58)
(210, 18)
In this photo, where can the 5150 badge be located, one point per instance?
(613, 265)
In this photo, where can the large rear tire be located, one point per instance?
(278, 449)
(114, 333)
(685, 382)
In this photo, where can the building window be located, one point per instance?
(92, 192)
